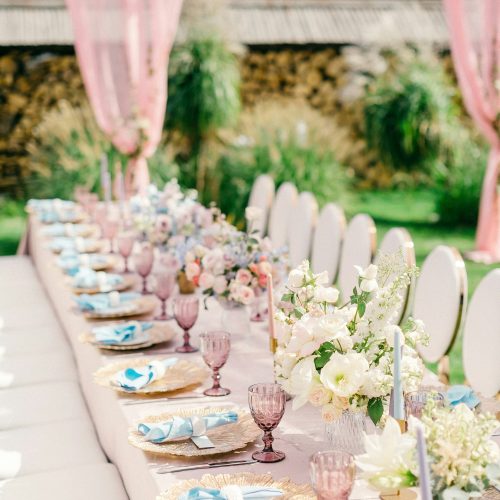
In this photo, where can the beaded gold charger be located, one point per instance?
(225, 438)
(128, 282)
(157, 334)
(179, 376)
(135, 307)
(289, 488)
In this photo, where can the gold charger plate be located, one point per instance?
(108, 263)
(288, 487)
(90, 247)
(141, 306)
(226, 438)
(180, 376)
(158, 333)
(128, 282)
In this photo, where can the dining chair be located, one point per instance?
(303, 219)
(358, 249)
(262, 196)
(398, 239)
(440, 302)
(327, 242)
(284, 202)
(481, 338)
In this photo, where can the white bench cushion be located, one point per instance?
(59, 445)
(89, 482)
(40, 403)
(36, 341)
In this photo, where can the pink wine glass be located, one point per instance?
(186, 313)
(125, 246)
(143, 262)
(332, 474)
(215, 348)
(267, 405)
(165, 284)
(109, 230)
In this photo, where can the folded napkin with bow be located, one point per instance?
(462, 394)
(88, 278)
(104, 301)
(185, 427)
(65, 243)
(71, 261)
(60, 229)
(133, 379)
(231, 492)
(116, 334)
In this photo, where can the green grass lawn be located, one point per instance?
(412, 209)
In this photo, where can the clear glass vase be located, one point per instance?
(235, 318)
(346, 433)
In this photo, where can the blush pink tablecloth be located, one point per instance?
(300, 433)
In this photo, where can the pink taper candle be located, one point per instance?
(270, 313)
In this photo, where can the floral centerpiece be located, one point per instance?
(463, 458)
(340, 358)
(234, 265)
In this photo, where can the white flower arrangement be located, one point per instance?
(463, 458)
(340, 358)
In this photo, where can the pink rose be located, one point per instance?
(206, 281)
(192, 271)
(243, 276)
(246, 295)
(220, 285)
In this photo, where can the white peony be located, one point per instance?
(344, 374)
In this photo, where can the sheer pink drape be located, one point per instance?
(123, 48)
(475, 43)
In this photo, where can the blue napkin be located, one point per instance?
(88, 278)
(133, 379)
(116, 334)
(63, 243)
(180, 427)
(462, 394)
(231, 491)
(101, 301)
(70, 261)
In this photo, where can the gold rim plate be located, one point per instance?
(139, 307)
(128, 282)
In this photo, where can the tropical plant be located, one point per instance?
(66, 149)
(203, 97)
(405, 113)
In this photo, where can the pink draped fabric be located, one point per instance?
(123, 48)
(475, 43)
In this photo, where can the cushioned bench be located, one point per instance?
(48, 445)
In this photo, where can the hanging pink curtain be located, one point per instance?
(123, 48)
(475, 44)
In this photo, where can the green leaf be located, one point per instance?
(324, 353)
(361, 309)
(287, 297)
(375, 409)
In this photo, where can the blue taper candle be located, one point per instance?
(398, 409)
(424, 478)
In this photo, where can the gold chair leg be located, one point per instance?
(444, 370)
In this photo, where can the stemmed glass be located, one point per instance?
(186, 313)
(109, 228)
(143, 262)
(215, 348)
(415, 401)
(267, 405)
(332, 474)
(165, 284)
(125, 242)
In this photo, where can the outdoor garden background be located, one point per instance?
(376, 127)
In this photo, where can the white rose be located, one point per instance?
(303, 376)
(326, 294)
(370, 273)
(219, 285)
(344, 374)
(296, 279)
(206, 280)
(368, 285)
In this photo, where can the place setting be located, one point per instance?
(88, 281)
(71, 261)
(78, 244)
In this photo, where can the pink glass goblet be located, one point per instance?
(186, 313)
(165, 284)
(215, 348)
(415, 402)
(332, 474)
(143, 262)
(109, 230)
(267, 405)
(125, 246)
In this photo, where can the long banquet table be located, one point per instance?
(299, 435)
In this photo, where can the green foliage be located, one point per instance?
(203, 87)
(405, 114)
(65, 151)
(375, 409)
(308, 166)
